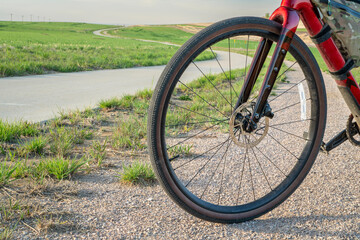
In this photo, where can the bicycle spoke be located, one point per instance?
(221, 144)
(222, 178)
(283, 147)
(251, 177)
(289, 133)
(173, 104)
(251, 134)
(285, 71)
(239, 136)
(212, 84)
(262, 170)
(202, 98)
(292, 105)
(194, 123)
(241, 177)
(271, 161)
(217, 60)
(206, 162)
(222, 69)
(287, 90)
(257, 132)
(207, 185)
(286, 123)
(207, 129)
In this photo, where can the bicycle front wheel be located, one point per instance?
(206, 163)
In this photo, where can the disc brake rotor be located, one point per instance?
(237, 123)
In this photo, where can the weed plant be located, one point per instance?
(14, 209)
(10, 156)
(62, 141)
(6, 233)
(6, 171)
(33, 146)
(138, 102)
(98, 151)
(60, 168)
(137, 172)
(10, 132)
(48, 223)
(22, 170)
(57, 168)
(183, 150)
(81, 134)
(130, 133)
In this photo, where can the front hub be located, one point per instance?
(243, 131)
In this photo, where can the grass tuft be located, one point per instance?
(98, 151)
(57, 168)
(10, 132)
(14, 209)
(35, 146)
(130, 133)
(6, 172)
(137, 172)
(60, 168)
(80, 135)
(49, 223)
(62, 141)
(184, 150)
(21, 171)
(138, 102)
(6, 233)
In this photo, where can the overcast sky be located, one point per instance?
(133, 11)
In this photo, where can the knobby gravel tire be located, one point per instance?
(217, 177)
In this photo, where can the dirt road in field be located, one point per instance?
(38, 98)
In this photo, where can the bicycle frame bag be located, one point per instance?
(343, 17)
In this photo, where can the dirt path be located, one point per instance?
(104, 33)
(97, 206)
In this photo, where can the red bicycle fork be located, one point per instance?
(290, 20)
(289, 15)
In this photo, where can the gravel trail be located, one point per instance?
(326, 205)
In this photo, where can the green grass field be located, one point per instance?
(155, 33)
(39, 48)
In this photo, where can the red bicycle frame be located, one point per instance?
(289, 14)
